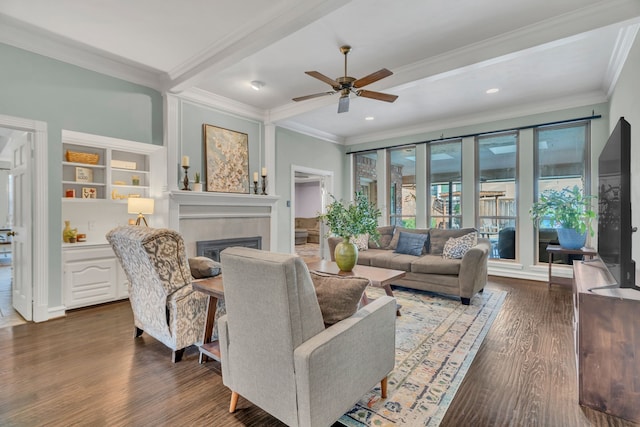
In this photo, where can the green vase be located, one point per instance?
(346, 255)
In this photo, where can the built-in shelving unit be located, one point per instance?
(96, 182)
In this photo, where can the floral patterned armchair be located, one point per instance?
(164, 303)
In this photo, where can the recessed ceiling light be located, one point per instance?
(369, 118)
(257, 85)
(493, 90)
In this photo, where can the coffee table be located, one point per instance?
(380, 277)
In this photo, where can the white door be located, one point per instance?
(21, 150)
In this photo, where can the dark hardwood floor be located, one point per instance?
(87, 370)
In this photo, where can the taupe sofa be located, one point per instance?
(429, 271)
(312, 225)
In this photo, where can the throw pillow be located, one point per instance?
(338, 296)
(386, 235)
(396, 235)
(456, 247)
(202, 267)
(439, 236)
(361, 241)
(411, 244)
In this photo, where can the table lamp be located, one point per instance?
(140, 206)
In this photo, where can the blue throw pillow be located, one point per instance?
(411, 243)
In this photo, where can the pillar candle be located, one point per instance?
(255, 177)
(185, 160)
(264, 171)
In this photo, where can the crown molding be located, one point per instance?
(33, 39)
(624, 42)
(210, 99)
(312, 132)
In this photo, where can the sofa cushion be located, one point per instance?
(456, 247)
(439, 236)
(364, 258)
(386, 234)
(361, 241)
(393, 261)
(411, 243)
(202, 266)
(338, 296)
(436, 264)
(396, 235)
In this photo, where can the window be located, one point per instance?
(496, 198)
(366, 178)
(402, 187)
(560, 161)
(445, 183)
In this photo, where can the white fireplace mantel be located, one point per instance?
(189, 205)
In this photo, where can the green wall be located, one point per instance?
(293, 148)
(192, 118)
(69, 97)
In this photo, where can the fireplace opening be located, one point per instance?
(212, 248)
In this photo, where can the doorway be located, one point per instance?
(8, 315)
(27, 152)
(310, 189)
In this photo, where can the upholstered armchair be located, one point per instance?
(164, 303)
(276, 352)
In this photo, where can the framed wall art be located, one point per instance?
(227, 160)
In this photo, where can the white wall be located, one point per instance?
(625, 102)
(308, 199)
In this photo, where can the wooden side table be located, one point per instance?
(557, 249)
(211, 286)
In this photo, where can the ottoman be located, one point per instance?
(301, 236)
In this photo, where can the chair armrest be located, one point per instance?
(473, 269)
(335, 368)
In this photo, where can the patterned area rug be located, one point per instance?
(436, 341)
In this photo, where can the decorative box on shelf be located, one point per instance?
(123, 164)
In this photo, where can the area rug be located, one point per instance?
(436, 340)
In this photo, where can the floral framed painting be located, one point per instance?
(227, 160)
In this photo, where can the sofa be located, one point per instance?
(429, 271)
(312, 225)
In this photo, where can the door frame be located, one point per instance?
(326, 190)
(40, 208)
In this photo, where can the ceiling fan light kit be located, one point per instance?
(347, 85)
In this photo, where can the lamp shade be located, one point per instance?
(140, 205)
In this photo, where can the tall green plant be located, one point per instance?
(567, 208)
(352, 219)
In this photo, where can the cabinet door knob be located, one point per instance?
(11, 233)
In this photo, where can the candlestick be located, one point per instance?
(186, 176)
(264, 183)
(185, 161)
(255, 183)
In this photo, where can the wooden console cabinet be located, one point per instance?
(607, 342)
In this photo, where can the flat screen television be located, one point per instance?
(614, 206)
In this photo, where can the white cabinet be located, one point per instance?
(92, 275)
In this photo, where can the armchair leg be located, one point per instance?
(137, 332)
(176, 356)
(383, 388)
(234, 402)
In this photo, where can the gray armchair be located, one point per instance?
(164, 303)
(276, 352)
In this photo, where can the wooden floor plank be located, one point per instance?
(86, 369)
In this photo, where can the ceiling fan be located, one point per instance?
(347, 85)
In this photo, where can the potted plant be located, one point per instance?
(197, 186)
(347, 220)
(569, 211)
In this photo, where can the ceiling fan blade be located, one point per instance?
(315, 95)
(343, 104)
(334, 84)
(373, 77)
(377, 95)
